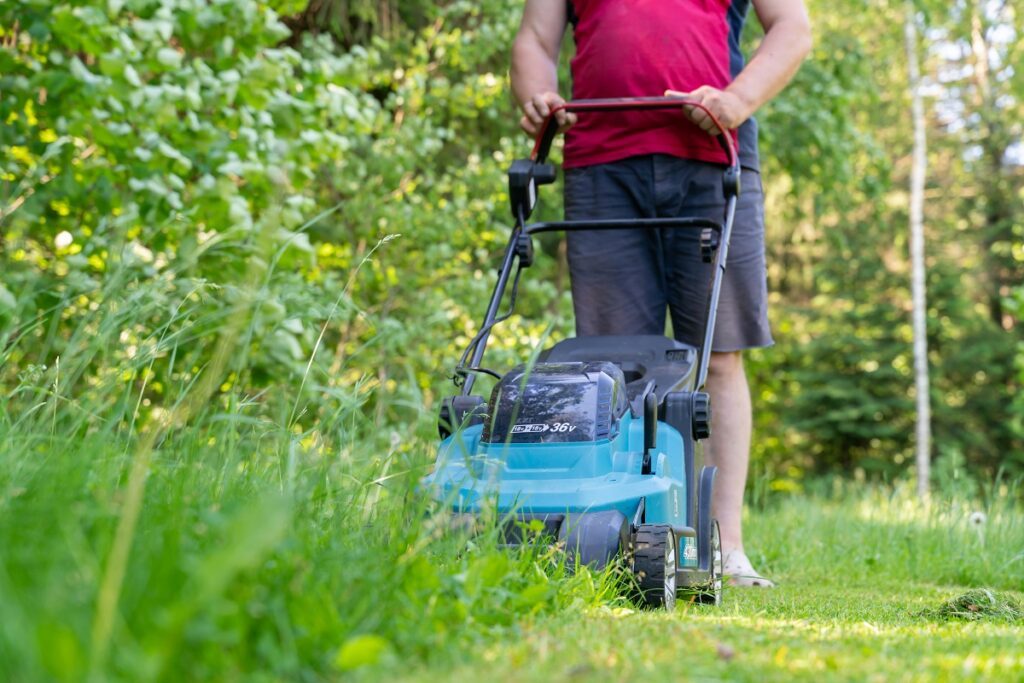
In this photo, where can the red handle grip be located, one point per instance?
(542, 144)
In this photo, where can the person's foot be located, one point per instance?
(739, 572)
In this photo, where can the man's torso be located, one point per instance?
(635, 48)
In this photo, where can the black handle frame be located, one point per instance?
(526, 174)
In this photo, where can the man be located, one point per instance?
(666, 163)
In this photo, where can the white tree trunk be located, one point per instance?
(917, 286)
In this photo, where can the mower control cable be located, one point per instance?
(462, 370)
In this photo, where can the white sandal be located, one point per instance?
(738, 570)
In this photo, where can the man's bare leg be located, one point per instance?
(729, 450)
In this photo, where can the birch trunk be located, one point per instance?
(919, 303)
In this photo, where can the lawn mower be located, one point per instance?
(597, 442)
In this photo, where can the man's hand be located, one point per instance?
(536, 110)
(787, 40)
(727, 107)
(535, 64)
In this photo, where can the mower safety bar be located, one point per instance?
(730, 187)
(549, 130)
(623, 224)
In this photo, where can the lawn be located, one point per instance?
(861, 583)
(802, 631)
(857, 580)
(256, 553)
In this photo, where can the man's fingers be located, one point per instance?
(528, 126)
(701, 93)
(695, 114)
(707, 124)
(536, 118)
(541, 105)
(538, 108)
(703, 121)
(566, 122)
(701, 96)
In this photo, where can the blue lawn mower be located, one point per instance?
(598, 442)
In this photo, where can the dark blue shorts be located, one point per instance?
(623, 281)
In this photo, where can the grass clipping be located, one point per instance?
(976, 605)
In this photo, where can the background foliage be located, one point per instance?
(151, 149)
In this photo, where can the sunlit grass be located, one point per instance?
(858, 575)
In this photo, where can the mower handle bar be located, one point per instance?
(622, 224)
(542, 145)
(548, 131)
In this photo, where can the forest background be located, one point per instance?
(260, 232)
(156, 145)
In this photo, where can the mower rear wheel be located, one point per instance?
(654, 565)
(711, 592)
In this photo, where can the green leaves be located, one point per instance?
(362, 650)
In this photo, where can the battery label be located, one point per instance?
(560, 427)
(529, 429)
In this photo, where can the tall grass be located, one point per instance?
(205, 530)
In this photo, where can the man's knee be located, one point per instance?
(724, 365)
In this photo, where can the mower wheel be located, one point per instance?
(654, 565)
(711, 592)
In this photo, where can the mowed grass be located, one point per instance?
(861, 574)
(798, 632)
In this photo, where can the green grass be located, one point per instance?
(212, 532)
(277, 559)
(856, 576)
(795, 633)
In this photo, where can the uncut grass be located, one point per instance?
(262, 558)
(261, 549)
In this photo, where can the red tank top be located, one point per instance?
(637, 48)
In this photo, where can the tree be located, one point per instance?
(919, 305)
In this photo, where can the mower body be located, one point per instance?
(566, 442)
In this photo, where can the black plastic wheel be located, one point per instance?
(700, 410)
(711, 592)
(594, 539)
(654, 565)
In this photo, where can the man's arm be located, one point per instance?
(535, 63)
(787, 40)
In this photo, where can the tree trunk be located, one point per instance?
(920, 308)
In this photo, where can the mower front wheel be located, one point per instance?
(654, 565)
